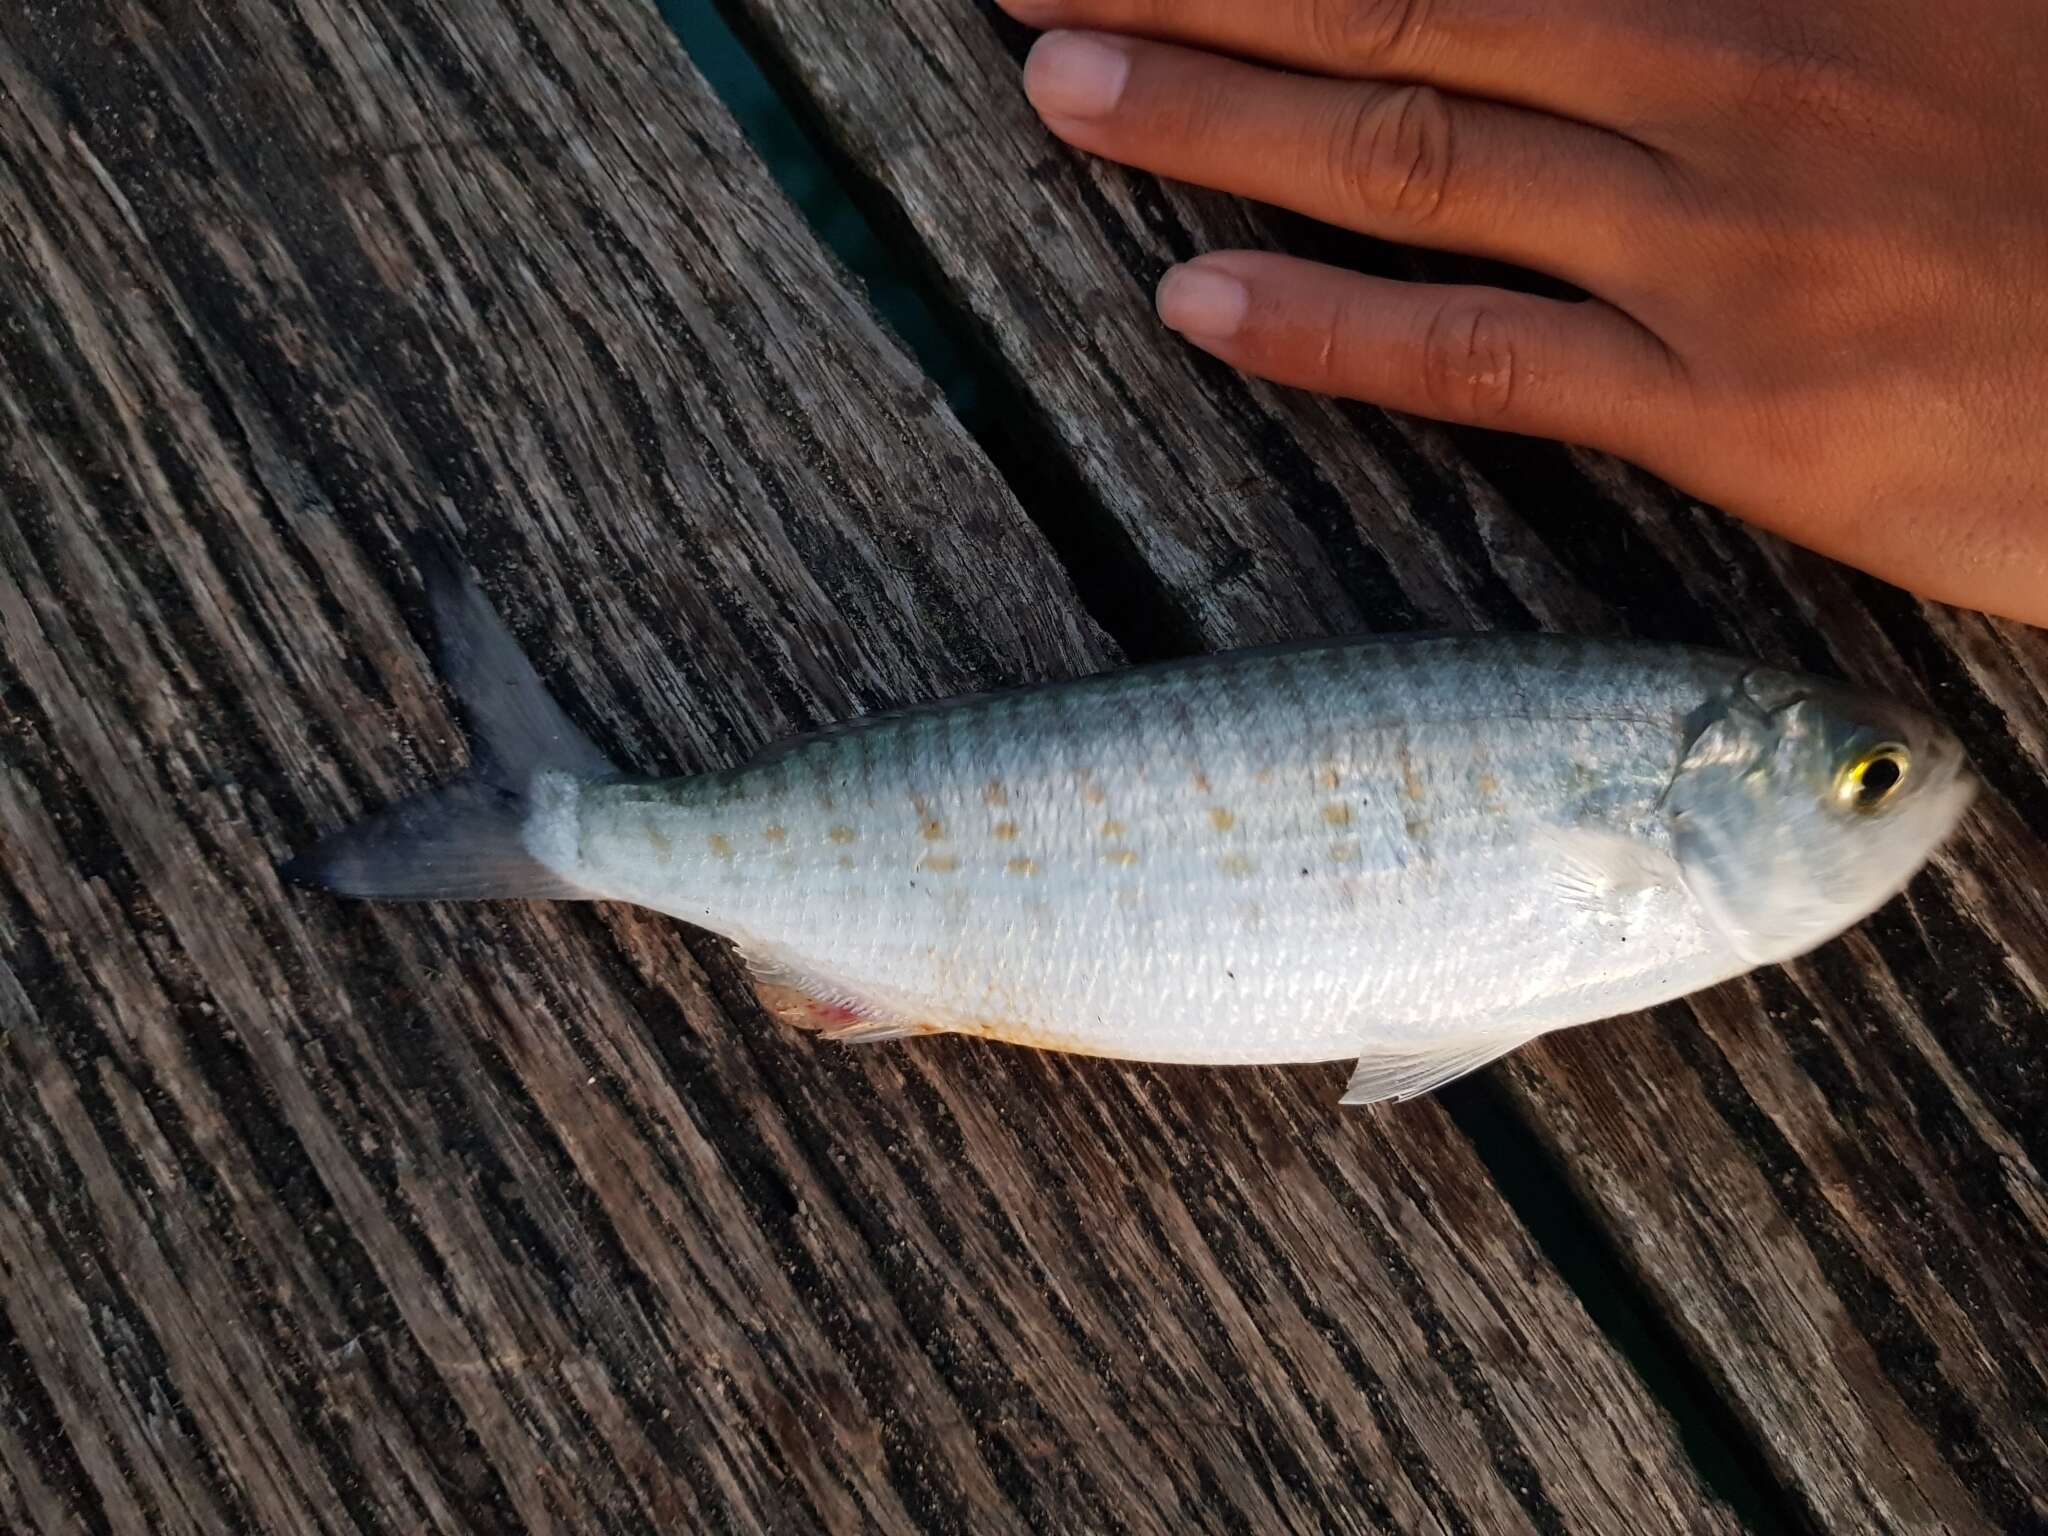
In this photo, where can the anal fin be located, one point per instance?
(1408, 1071)
(790, 995)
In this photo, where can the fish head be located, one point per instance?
(1800, 807)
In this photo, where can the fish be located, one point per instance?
(1414, 853)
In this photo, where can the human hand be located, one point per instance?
(1814, 235)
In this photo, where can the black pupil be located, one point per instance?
(1880, 777)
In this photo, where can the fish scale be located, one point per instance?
(1260, 857)
(1418, 852)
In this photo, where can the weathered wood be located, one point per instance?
(1831, 1175)
(325, 1217)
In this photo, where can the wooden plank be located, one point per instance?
(322, 1217)
(1831, 1176)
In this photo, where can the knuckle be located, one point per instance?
(1201, 116)
(1367, 34)
(1804, 90)
(1798, 77)
(1393, 154)
(1325, 367)
(1469, 361)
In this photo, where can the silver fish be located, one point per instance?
(1421, 853)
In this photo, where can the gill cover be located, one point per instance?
(1774, 854)
(1718, 803)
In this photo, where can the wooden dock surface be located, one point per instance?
(331, 1218)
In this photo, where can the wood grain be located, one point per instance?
(325, 1217)
(1830, 1176)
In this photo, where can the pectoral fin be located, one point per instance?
(1600, 870)
(1408, 1071)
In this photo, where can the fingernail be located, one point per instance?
(1070, 74)
(1198, 301)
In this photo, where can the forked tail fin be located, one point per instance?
(507, 827)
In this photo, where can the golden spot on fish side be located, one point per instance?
(775, 832)
(994, 793)
(1487, 789)
(1263, 776)
(1329, 778)
(1123, 858)
(1022, 867)
(1417, 828)
(938, 863)
(1004, 831)
(932, 829)
(1202, 783)
(842, 833)
(1337, 815)
(1235, 865)
(1222, 817)
(1112, 829)
(1411, 780)
(662, 847)
(1345, 852)
(721, 845)
(846, 861)
(1094, 793)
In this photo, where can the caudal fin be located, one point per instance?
(495, 831)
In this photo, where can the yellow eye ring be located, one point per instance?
(1868, 780)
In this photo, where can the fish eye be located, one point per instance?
(1868, 780)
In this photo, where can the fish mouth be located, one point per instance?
(1953, 797)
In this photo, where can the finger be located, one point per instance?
(1579, 58)
(1583, 372)
(1405, 163)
